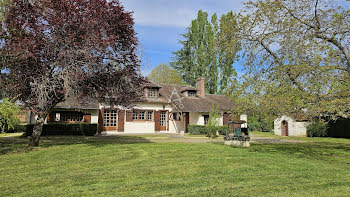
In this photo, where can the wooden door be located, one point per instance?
(163, 120)
(109, 120)
(121, 120)
(187, 120)
(157, 121)
(284, 128)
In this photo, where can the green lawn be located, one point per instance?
(135, 166)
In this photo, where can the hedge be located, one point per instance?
(64, 129)
(316, 129)
(201, 129)
(196, 129)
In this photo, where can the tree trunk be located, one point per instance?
(38, 127)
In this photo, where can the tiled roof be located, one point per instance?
(170, 93)
(174, 93)
(76, 105)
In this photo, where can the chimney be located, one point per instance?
(201, 87)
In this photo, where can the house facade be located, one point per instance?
(165, 108)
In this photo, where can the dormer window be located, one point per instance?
(153, 93)
(191, 94)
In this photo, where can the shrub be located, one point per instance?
(8, 118)
(213, 122)
(65, 129)
(223, 129)
(202, 129)
(197, 129)
(317, 129)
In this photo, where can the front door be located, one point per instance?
(187, 121)
(284, 128)
(163, 120)
(109, 120)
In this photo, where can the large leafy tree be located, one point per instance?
(164, 74)
(209, 50)
(297, 57)
(56, 50)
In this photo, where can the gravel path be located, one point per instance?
(189, 139)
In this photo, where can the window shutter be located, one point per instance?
(157, 120)
(51, 117)
(128, 116)
(226, 118)
(87, 117)
(100, 120)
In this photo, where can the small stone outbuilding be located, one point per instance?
(288, 126)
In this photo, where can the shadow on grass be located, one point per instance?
(314, 150)
(18, 144)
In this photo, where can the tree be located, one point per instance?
(164, 74)
(213, 122)
(69, 50)
(296, 55)
(209, 51)
(8, 118)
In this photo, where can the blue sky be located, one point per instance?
(160, 23)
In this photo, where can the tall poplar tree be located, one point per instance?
(208, 52)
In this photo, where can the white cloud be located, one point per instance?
(177, 13)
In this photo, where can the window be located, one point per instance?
(149, 115)
(58, 117)
(153, 93)
(176, 116)
(110, 118)
(141, 115)
(134, 115)
(206, 119)
(191, 94)
(68, 116)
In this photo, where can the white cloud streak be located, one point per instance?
(177, 13)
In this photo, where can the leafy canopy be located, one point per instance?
(73, 50)
(297, 58)
(164, 74)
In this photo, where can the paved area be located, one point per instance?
(174, 137)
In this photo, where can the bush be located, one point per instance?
(65, 129)
(223, 129)
(317, 129)
(197, 129)
(8, 116)
(202, 129)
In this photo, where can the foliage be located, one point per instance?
(317, 129)
(297, 58)
(197, 129)
(92, 166)
(213, 121)
(223, 130)
(209, 50)
(8, 118)
(203, 129)
(65, 129)
(256, 124)
(339, 128)
(3, 8)
(68, 50)
(164, 74)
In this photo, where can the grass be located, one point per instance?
(136, 166)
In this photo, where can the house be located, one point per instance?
(296, 126)
(165, 108)
(290, 126)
